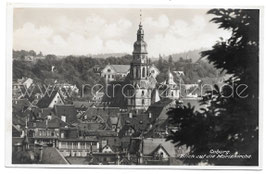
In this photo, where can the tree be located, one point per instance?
(230, 121)
(170, 60)
(40, 54)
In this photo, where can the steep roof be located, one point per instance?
(160, 108)
(47, 99)
(52, 155)
(114, 95)
(151, 144)
(121, 68)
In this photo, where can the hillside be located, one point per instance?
(194, 55)
(80, 70)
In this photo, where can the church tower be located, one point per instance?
(140, 80)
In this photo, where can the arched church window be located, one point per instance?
(143, 72)
(142, 93)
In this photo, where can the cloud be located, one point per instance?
(183, 35)
(92, 36)
(161, 23)
(95, 34)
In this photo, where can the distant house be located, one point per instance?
(50, 99)
(19, 87)
(111, 72)
(29, 58)
(46, 131)
(192, 90)
(100, 118)
(70, 145)
(154, 151)
(107, 149)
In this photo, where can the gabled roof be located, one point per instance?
(47, 99)
(160, 108)
(151, 144)
(107, 147)
(159, 147)
(118, 99)
(121, 68)
(52, 155)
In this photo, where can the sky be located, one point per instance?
(85, 31)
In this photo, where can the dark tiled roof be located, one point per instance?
(101, 133)
(160, 108)
(47, 99)
(17, 120)
(100, 115)
(82, 104)
(20, 105)
(66, 110)
(52, 156)
(114, 96)
(139, 122)
(151, 144)
(53, 123)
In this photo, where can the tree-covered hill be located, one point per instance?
(80, 70)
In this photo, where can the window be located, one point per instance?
(143, 72)
(108, 70)
(143, 101)
(142, 93)
(172, 93)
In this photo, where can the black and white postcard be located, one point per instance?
(141, 86)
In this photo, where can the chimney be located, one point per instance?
(150, 115)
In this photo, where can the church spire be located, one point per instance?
(140, 45)
(140, 17)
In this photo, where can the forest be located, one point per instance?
(80, 70)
